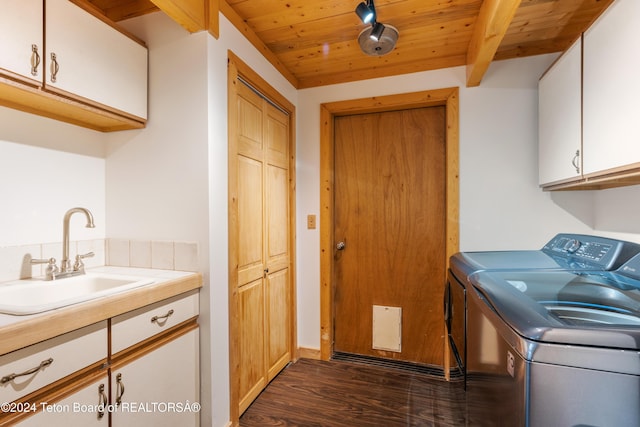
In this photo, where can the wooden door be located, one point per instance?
(390, 212)
(263, 243)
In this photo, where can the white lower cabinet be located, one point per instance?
(140, 368)
(160, 388)
(85, 407)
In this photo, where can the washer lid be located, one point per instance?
(563, 252)
(566, 307)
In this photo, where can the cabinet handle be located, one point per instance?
(35, 60)
(11, 377)
(54, 67)
(103, 401)
(119, 389)
(166, 316)
(574, 161)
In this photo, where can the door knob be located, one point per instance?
(340, 246)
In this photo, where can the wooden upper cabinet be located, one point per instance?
(21, 39)
(93, 60)
(91, 73)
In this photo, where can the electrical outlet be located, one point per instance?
(311, 222)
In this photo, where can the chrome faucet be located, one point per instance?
(66, 270)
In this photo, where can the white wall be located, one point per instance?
(46, 168)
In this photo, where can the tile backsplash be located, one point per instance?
(15, 261)
(164, 255)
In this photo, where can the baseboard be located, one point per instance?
(309, 353)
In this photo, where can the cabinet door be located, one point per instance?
(154, 389)
(83, 408)
(612, 89)
(93, 60)
(560, 118)
(20, 34)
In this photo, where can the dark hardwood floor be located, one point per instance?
(314, 393)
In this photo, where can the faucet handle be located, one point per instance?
(52, 268)
(43, 261)
(79, 265)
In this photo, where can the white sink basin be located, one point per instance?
(36, 296)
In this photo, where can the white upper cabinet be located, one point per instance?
(21, 40)
(88, 58)
(612, 89)
(560, 119)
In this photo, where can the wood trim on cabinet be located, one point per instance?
(29, 99)
(447, 97)
(611, 178)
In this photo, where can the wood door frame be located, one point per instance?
(236, 67)
(448, 98)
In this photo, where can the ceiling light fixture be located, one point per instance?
(366, 11)
(377, 39)
(376, 31)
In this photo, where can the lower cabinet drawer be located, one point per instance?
(131, 328)
(31, 368)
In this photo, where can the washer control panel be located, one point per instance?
(606, 253)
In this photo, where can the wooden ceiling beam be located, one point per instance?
(493, 21)
(192, 15)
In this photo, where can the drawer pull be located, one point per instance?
(166, 316)
(103, 401)
(119, 389)
(11, 377)
(35, 60)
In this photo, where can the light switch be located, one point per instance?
(311, 222)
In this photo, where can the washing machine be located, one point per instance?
(565, 251)
(554, 347)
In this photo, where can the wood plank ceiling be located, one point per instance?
(314, 42)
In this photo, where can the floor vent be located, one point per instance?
(434, 371)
